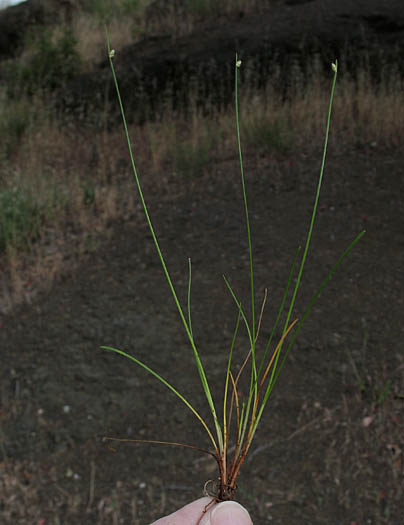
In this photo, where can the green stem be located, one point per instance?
(199, 365)
(250, 252)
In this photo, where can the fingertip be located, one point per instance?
(228, 513)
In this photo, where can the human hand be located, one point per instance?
(202, 512)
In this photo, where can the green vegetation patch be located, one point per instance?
(50, 60)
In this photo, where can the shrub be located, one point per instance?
(16, 118)
(52, 59)
(270, 136)
(20, 218)
(190, 159)
(26, 208)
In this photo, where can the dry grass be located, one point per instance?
(70, 203)
(363, 114)
(76, 179)
(148, 18)
(90, 36)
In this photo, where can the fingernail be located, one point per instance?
(230, 513)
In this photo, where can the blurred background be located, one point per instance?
(78, 270)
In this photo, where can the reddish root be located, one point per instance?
(219, 491)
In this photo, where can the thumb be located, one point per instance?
(227, 513)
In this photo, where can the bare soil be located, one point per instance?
(329, 449)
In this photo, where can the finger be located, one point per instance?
(191, 514)
(226, 513)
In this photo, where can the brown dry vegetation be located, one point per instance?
(76, 176)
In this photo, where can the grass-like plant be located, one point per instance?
(240, 416)
(22, 215)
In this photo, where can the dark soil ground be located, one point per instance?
(329, 449)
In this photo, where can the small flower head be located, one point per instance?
(112, 53)
(334, 66)
(238, 63)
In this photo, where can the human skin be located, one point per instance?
(203, 512)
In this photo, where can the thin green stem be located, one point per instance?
(189, 296)
(315, 206)
(250, 252)
(280, 311)
(168, 385)
(238, 303)
(226, 423)
(313, 300)
(313, 216)
(199, 365)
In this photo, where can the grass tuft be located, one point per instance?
(263, 371)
